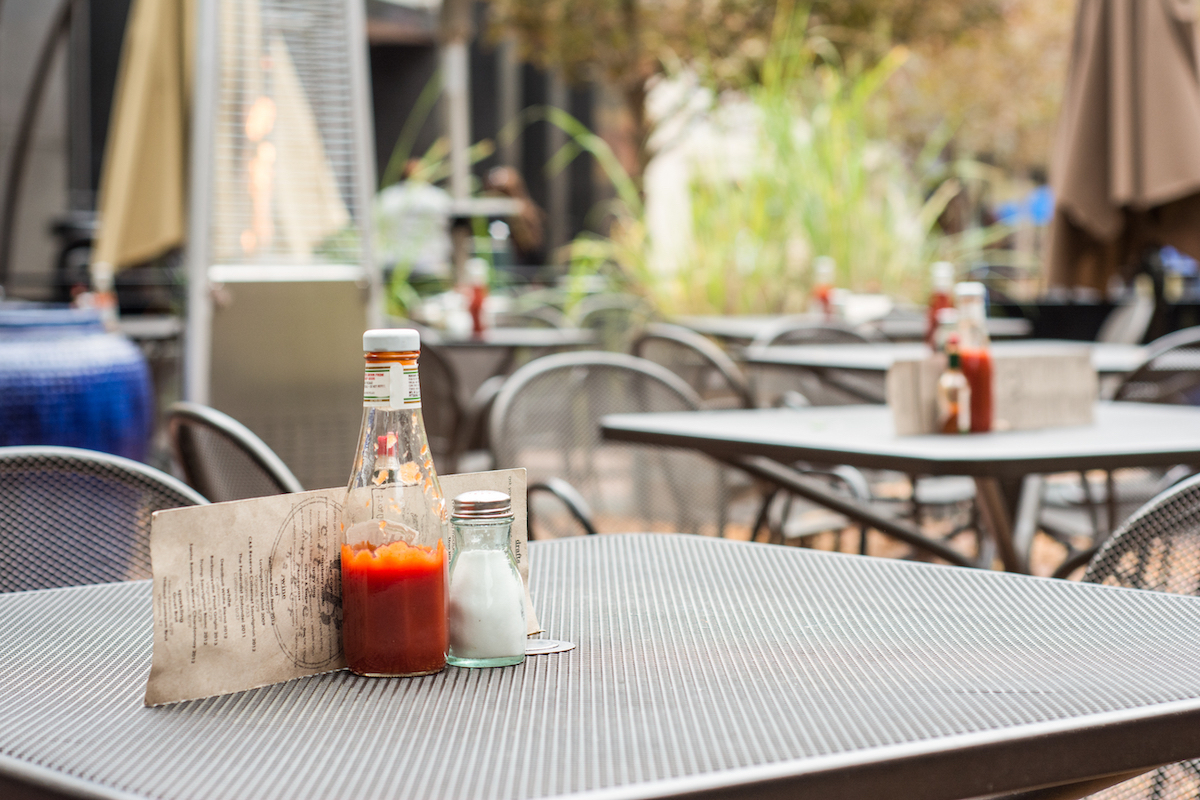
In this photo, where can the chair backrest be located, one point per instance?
(711, 373)
(1128, 322)
(1158, 548)
(538, 317)
(546, 419)
(1170, 373)
(441, 407)
(70, 517)
(793, 331)
(617, 318)
(223, 459)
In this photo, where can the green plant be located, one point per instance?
(824, 181)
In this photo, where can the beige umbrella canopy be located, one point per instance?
(141, 203)
(1126, 162)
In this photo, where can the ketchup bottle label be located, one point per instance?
(392, 386)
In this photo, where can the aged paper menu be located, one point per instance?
(247, 593)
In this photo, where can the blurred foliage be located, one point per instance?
(823, 179)
(624, 43)
(998, 86)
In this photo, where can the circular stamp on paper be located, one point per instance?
(306, 584)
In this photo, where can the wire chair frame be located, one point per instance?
(223, 459)
(546, 418)
(1169, 374)
(695, 359)
(1156, 549)
(799, 331)
(441, 407)
(70, 516)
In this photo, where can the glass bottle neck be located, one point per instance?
(972, 324)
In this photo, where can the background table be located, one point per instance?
(1107, 358)
(858, 370)
(1123, 435)
(742, 329)
(704, 667)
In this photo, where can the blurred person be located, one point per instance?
(526, 229)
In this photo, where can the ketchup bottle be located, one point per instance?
(975, 352)
(394, 524)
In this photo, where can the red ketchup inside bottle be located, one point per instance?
(976, 365)
(394, 609)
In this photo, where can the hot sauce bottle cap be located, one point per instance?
(391, 340)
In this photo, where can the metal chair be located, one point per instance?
(1157, 548)
(546, 419)
(441, 407)
(223, 459)
(616, 318)
(538, 317)
(1169, 374)
(802, 331)
(70, 516)
(772, 385)
(707, 369)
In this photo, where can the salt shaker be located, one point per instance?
(487, 597)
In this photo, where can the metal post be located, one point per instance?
(559, 185)
(366, 182)
(197, 353)
(510, 100)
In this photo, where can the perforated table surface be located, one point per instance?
(704, 668)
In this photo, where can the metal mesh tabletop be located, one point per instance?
(701, 664)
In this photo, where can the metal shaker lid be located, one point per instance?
(482, 504)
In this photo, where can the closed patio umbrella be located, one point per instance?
(1126, 161)
(142, 186)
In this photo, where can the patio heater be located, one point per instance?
(281, 280)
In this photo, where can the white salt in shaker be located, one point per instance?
(487, 597)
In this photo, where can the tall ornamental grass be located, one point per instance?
(823, 181)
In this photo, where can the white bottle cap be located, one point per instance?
(826, 269)
(970, 289)
(391, 340)
(943, 275)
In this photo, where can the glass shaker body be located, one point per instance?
(975, 352)
(487, 595)
(394, 526)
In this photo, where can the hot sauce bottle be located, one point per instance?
(975, 355)
(939, 298)
(394, 524)
(953, 394)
